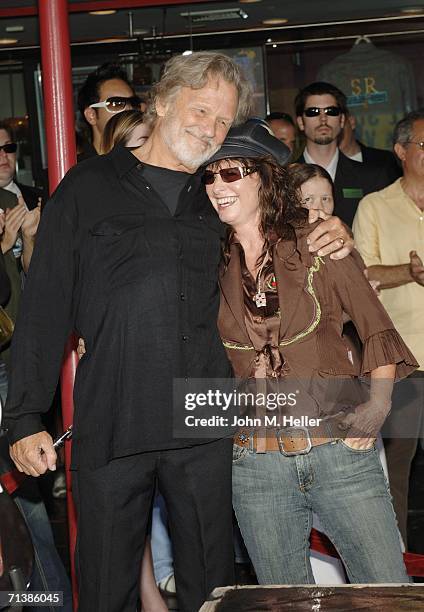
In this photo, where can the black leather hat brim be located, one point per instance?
(231, 150)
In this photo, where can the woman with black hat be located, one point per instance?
(306, 443)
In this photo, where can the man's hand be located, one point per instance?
(29, 230)
(331, 236)
(2, 220)
(30, 223)
(81, 348)
(416, 267)
(14, 219)
(34, 455)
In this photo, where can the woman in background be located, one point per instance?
(127, 128)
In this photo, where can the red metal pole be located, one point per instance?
(57, 88)
(61, 155)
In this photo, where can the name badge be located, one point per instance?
(351, 192)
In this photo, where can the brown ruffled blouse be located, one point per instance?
(298, 334)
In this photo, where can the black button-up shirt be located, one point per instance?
(140, 286)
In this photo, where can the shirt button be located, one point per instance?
(182, 296)
(185, 338)
(201, 217)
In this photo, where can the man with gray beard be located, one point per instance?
(128, 252)
(321, 114)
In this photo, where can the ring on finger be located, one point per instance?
(342, 241)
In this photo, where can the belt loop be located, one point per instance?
(261, 435)
(252, 442)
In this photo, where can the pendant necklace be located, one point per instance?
(260, 296)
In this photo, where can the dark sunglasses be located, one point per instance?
(228, 175)
(10, 147)
(116, 104)
(314, 111)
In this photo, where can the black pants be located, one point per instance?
(113, 504)
(402, 432)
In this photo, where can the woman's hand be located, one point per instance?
(331, 237)
(359, 443)
(365, 422)
(81, 348)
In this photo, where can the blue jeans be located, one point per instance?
(274, 497)
(163, 562)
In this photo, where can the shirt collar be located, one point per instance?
(291, 252)
(332, 166)
(125, 161)
(13, 188)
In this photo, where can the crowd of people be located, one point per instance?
(192, 241)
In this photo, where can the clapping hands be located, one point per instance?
(416, 267)
(12, 222)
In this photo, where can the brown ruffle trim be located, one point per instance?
(385, 348)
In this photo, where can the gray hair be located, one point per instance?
(193, 71)
(403, 129)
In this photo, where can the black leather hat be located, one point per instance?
(251, 140)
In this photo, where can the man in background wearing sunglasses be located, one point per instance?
(24, 217)
(105, 92)
(8, 149)
(321, 113)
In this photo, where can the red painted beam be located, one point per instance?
(84, 7)
(57, 88)
(61, 155)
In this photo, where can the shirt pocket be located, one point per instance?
(120, 249)
(117, 225)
